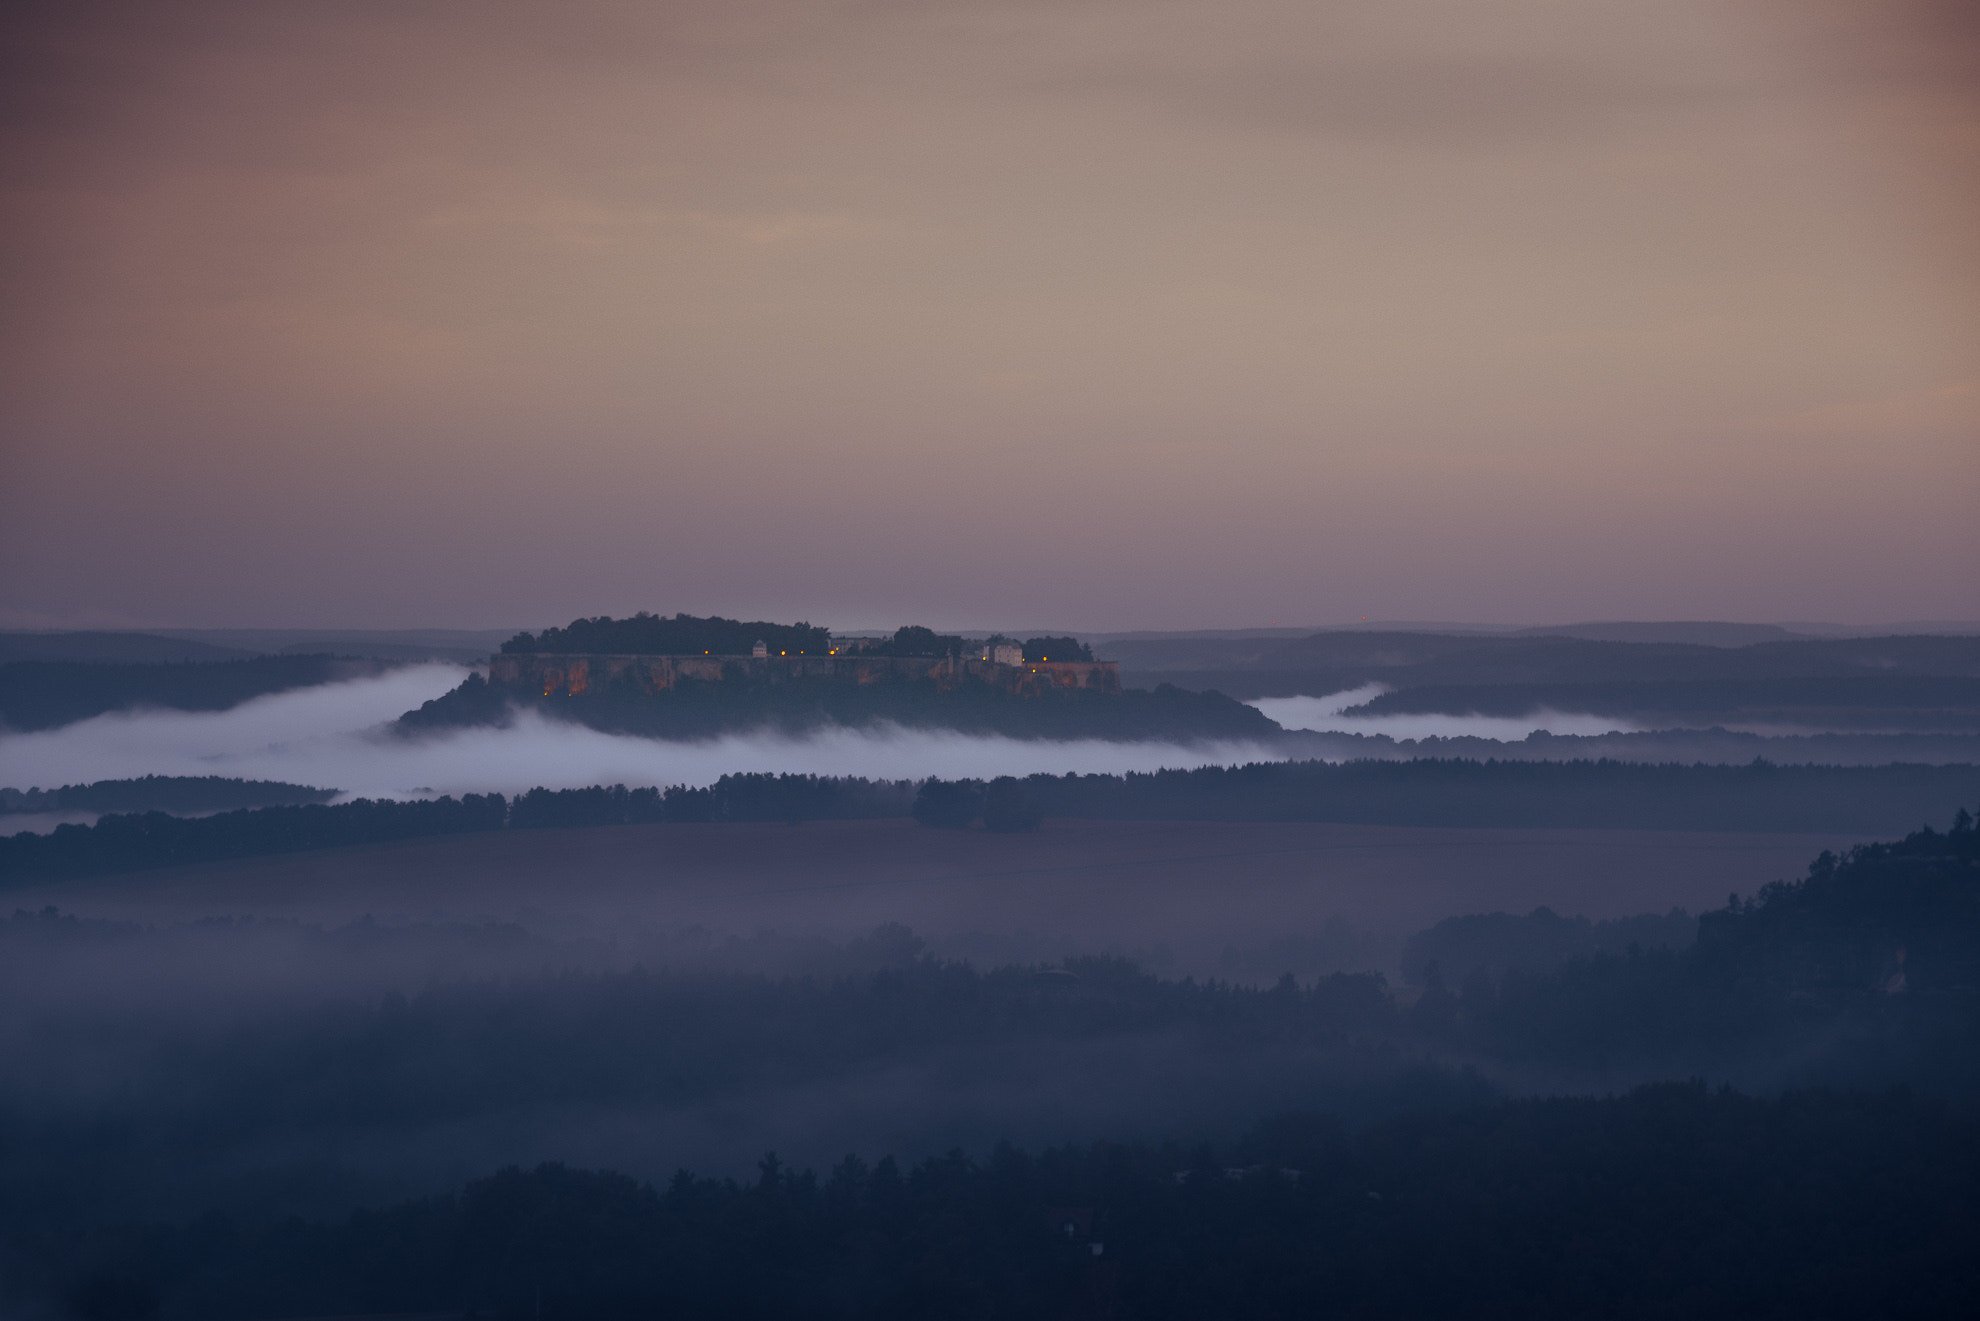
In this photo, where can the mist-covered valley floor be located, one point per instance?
(226, 1048)
(339, 735)
(121, 986)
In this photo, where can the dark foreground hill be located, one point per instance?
(1670, 1201)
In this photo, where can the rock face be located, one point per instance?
(547, 674)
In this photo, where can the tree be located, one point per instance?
(1056, 648)
(915, 640)
(948, 804)
(1010, 806)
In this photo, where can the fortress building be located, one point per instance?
(560, 674)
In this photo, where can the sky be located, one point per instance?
(1077, 314)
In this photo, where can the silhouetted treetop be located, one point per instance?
(682, 635)
(915, 640)
(1056, 649)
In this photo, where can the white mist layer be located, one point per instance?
(1322, 715)
(331, 737)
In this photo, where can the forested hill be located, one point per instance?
(47, 694)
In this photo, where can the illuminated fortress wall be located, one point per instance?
(549, 674)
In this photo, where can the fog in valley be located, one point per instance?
(335, 736)
(1325, 715)
(555, 973)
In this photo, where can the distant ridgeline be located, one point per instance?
(45, 694)
(1867, 800)
(1915, 683)
(687, 677)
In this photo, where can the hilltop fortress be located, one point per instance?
(554, 674)
(651, 655)
(693, 678)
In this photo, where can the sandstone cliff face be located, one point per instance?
(555, 675)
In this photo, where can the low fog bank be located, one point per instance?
(1341, 725)
(333, 735)
(1322, 728)
(1324, 715)
(1719, 747)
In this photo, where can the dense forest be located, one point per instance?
(127, 842)
(178, 794)
(1614, 795)
(682, 635)
(134, 841)
(1406, 1182)
(47, 694)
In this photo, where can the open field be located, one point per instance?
(1179, 892)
